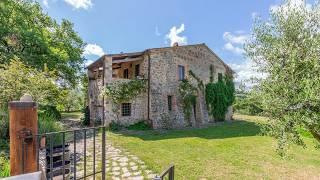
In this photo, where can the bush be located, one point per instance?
(4, 165)
(86, 118)
(4, 159)
(4, 124)
(141, 125)
(114, 126)
(50, 111)
(49, 124)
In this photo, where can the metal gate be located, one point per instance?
(71, 154)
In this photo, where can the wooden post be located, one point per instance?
(23, 123)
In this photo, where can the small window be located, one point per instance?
(126, 109)
(137, 70)
(219, 76)
(126, 73)
(170, 103)
(181, 72)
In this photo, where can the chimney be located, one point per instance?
(175, 44)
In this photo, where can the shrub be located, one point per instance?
(49, 124)
(115, 126)
(4, 124)
(4, 165)
(219, 96)
(86, 118)
(50, 111)
(140, 126)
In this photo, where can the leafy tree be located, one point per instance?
(36, 39)
(286, 48)
(17, 79)
(70, 100)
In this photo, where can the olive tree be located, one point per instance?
(286, 47)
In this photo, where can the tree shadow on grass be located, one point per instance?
(237, 128)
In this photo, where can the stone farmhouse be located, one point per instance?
(163, 69)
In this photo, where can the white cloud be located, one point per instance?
(240, 38)
(174, 36)
(234, 42)
(245, 72)
(78, 4)
(291, 4)
(156, 32)
(45, 3)
(237, 50)
(93, 49)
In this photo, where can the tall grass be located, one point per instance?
(50, 124)
(4, 166)
(4, 159)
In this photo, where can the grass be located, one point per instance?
(4, 160)
(226, 151)
(71, 115)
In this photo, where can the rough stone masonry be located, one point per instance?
(163, 68)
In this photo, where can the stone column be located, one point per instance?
(108, 114)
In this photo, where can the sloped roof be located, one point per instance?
(120, 56)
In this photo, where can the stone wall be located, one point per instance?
(138, 105)
(164, 82)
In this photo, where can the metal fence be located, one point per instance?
(168, 172)
(54, 157)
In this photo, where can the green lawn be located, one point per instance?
(71, 115)
(226, 151)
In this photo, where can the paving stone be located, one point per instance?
(137, 173)
(115, 178)
(127, 174)
(123, 159)
(150, 176)
(123, 164)
(116, 173)
(114, 164)
(116, 168)
(132, 164)
(124, 169)
(134, 168)
(136, 178)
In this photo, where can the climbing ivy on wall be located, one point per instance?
(219, 96)
(199, 81)
(123, 91)
(188, 94)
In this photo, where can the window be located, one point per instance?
(126, 73)
(170, 103)
(137, 70)
(126, 109)
(219, 76)
(181, 72)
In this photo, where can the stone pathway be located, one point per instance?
(123, 165)
(120, 164)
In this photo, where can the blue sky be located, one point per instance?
(114, 26)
